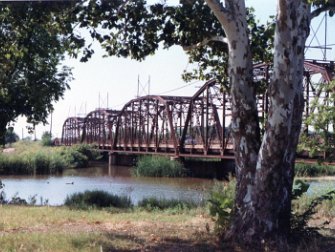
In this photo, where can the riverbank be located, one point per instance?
(61, 229)
(32, 158)
(27, 228)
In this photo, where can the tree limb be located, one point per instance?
(205, 42)
(326, 7)
(221, 13)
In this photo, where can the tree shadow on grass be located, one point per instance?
(123, 242)
(126, 243)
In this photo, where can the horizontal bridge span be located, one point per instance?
(189, 126)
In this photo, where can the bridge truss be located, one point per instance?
(196, 126)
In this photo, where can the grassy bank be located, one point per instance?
(28, 157)
(61, 229)
(314, 170)
(108, 224)
(27, 228)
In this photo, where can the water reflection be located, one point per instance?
(117, 181)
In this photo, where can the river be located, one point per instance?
(118, 181)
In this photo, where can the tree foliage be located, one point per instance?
(321, 120)
(33, 40)
(134, 29)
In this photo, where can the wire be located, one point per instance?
(175, 89)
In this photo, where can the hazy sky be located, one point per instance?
(119, 77)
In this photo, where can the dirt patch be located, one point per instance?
(8, 150)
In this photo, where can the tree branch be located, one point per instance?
(205, 42)
(326, 7)
(221, 13)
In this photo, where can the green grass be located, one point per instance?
(313, 170)
(327, 207)
(174, 205)
(62, 229)
(158, 166)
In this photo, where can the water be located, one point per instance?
(117, 181)
(320, 186)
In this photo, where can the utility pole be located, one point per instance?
(138, 86)
(325, 48)
(51, 124)
(149, 85)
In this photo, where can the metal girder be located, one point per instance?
(98, 127)
(151, 124)
(72, 130)
(207, 126)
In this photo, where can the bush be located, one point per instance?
(78, 156)
(221, 202)
(97, 199)
(153, 203)
(46, 139)
(57, 164)
(75, 159)
(87, 150)
(157, 166)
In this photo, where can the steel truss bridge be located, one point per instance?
(195, 126)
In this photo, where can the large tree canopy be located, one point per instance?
(33, 40)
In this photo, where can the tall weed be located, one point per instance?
(157, 166)
(313, 170)
(97, 199)
(177, 205)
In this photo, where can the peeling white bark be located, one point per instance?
(265, 171)
(274, 169)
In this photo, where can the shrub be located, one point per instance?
(87, 150)
(157, 166)
(220, 202)
(57, 164)
(152, 203)
(75, 159)
(46, 139)
(97, 199)
(78, 156)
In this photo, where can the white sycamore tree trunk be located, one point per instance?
(245, 125)
(265, 171)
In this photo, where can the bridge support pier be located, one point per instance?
(112, 159)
